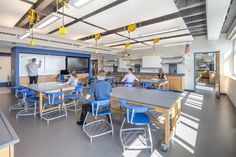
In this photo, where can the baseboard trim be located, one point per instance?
(3, 84)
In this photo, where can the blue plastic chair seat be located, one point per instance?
(56, 102)
(19, 96)
(32, 99)
(73, 97)
(30, 93)
(141, 118)
(146, 84)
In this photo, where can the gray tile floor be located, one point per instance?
(207, 128)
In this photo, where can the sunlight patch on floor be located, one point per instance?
(187, 127)
(211, 89)
(195, 101)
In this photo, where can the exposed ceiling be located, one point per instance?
(172, 21)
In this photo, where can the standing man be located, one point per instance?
(33, 71)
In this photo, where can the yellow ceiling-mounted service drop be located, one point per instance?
(33, 18)
(63, 30)
(155, 41)
(128, 46)
(97, 37)
(130, 28)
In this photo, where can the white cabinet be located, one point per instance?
(123, 63)
(151, 62)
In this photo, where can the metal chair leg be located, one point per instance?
(111, 125)
(85, 120)
(35, 106)
(150, 136)
(75, 105)
(121, 140)
(65, 110)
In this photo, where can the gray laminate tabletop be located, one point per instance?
(48, 86)
(152, 80)
(146, 96)
(7, 133)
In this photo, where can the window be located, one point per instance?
(234, 54)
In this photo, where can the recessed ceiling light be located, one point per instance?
(159, 32)
(25, 35)
(79, 3)
(48, 20)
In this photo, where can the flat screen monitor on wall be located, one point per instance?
(81, 65)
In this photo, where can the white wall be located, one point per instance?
(200, 44)
(5, 64)
(230, 83)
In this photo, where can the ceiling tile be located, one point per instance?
(80, 30)
(133, 11)
(12, 11)
(54, 25)
(88, 8)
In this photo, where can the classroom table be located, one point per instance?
(41, 88)
(161, 101)
(8, 137)
(156, 82)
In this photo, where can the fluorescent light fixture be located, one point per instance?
(177, 44)
(79, 3)
(160, 32)
(142, 48)
(48, 20)
(25, 35)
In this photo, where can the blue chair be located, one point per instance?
(98, 127)
(77, 93)
(62, 79)
(146, 84)
(128, 84)
(135, 115)
(54, 107)
(28, 98)
(80, 86)
(19, 105)
(91, 80)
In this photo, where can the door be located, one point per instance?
(5, 69)
(217, 77)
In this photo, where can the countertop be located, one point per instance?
(154, 74)
(8, 135)
(178, 75)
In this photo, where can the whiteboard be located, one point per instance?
(25, 59)
(151, 62)
(54, 64)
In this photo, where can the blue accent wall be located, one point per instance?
(3, 84)
(17, 50)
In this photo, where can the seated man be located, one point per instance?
(100, 90)
(130, 77)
